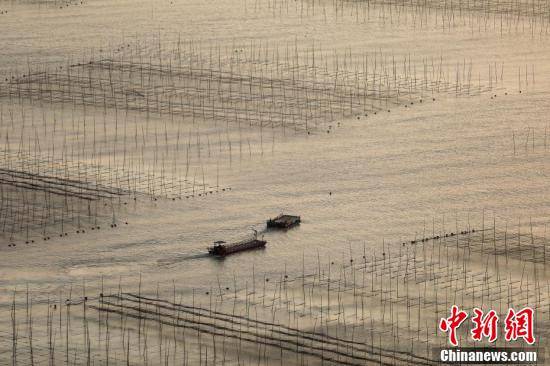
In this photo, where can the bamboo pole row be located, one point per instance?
(367, 307)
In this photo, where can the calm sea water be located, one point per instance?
(370, 183)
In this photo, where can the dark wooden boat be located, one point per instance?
(283, 222)
(221, 248)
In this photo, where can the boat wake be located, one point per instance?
(180, 258)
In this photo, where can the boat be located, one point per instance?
(283, 222)
(222, 249)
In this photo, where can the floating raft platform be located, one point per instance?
(283, 222)
(221, 248)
